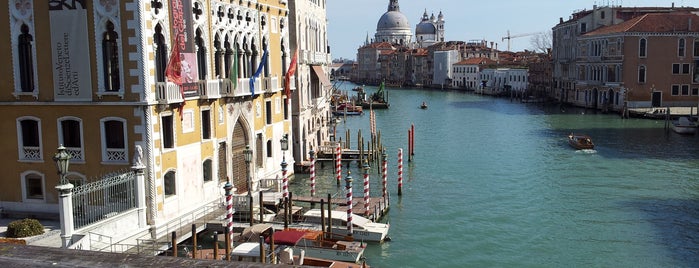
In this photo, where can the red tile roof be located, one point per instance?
(476, 61)
(654, 23)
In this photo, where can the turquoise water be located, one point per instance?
(494, 184)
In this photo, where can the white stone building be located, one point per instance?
(393, 26)
(443, 61)
(311, 99)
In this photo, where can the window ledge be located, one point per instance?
(31, 160)
(119, 93)
(115, 163)
(34, 94)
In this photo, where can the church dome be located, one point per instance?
(392, 20)
(425, 28)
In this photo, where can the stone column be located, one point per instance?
(65, 210)
(140, 194)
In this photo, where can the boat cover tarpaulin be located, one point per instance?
(288, 237)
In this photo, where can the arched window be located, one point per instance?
(160, 54)
(33, 187)
(642, 74)
(110, 59)
(26, 60)
(207, 170)
(29, 138)
(642, 48)
(218, 53)
(70, 135)
(228, 58)
(114, 140)
(269, 148)
(201, 55)
(681, 47)
(169, 184)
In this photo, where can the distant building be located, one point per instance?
(430, 30)
(565, 49)
(393, 27)
(465, 72)
(443, 61)
(646, 61)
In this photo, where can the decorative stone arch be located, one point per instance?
(240, 138)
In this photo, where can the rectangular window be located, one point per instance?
(642, 74)
(286, 110)
(71, 133)
(675, 68)
(695, 91)
(675, 90)
(685, 68)
(685, 90)
(696, 47)
(642, 47)
(114, 134)
(34, 187)
(206, 124)
(268, 112)
(168, 132)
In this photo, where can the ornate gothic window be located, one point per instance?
(201, 54)
(160, 54)
(110, 59)
(218, 52)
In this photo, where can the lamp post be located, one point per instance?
(285, 182)
(248, 159)
(62, 159)
(65, 199)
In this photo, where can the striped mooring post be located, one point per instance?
(229, 208)
(400, 171)
(348, 185)
(338, 163)
(366, 188)
(384, 173)
(313, 172)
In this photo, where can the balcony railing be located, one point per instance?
(209, 89)
(31, 153)
(168, 93)
(76, 154)
(270, 84)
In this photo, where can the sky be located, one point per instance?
(349, 21)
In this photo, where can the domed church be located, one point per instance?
(393, 26)
(430, 30)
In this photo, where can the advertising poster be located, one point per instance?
(72, 79)
(183, 36)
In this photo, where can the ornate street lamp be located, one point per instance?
(248, 159)
(62, 159)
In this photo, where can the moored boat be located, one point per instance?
(313, 244)
(363, 228)
(580, 141)
(348, 109)
(684, 125)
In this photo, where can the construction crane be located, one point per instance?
(509, 37)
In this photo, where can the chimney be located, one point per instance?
(560, 20)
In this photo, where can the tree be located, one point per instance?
(541, 43)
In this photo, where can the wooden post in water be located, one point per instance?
(285, 203)
(330, 214)
(194, 241)
(215, 245)
(174, 244)
(322, 216)
(262, 250)
(228, 244)
(291, 206)
(347, 139)
(262, 211)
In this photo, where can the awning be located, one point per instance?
(324, 80)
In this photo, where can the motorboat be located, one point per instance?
(314, 245)
(363, 229)
(348, 109)
(684, 125)
(423, 105)
(580, 141)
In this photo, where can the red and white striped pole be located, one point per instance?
(366, 188)
(348, 185)
(313, 172)
(400, 171)
(229, 208)
(338, 163)
(384, 173)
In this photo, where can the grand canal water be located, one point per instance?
(494, 184)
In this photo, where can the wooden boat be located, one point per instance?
(313, 245)
(363, 229)
(423, 105)
(684, 125)
(580, 141)
(348, 109)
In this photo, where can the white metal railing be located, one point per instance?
(116, 154)
(76, 153)
(104, 198)
(31, 153)
(168, 93)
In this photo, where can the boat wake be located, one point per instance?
(586, 151)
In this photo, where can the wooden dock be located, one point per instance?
(378, 207)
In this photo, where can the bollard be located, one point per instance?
(400, 172)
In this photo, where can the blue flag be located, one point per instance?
(257, 73)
